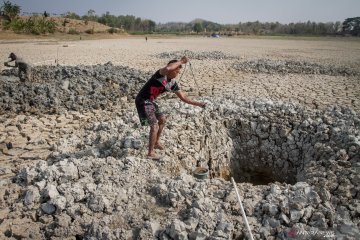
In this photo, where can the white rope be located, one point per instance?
(242, 209)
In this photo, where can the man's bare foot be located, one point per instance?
(159, 146)
(153, 157)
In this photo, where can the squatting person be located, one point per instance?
(24, 68)
(149, 113)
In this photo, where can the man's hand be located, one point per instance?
(184, 60)
(203, 105)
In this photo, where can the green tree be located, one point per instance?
(90, 16)
(128, 22)
(198, 27)
(72, 15)
(10, 10)
(109, 20)
(351, 26)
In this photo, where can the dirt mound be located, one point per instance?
(67, 25)
(72, 88)
(80, 26)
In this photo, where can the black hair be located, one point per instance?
(174, 61)
(12, 55)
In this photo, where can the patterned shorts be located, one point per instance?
(149, 113)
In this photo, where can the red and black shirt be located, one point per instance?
(155, 86)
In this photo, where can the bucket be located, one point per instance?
(201, 173)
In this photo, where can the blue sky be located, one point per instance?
(220, 11)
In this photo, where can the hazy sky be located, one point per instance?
(220, 11)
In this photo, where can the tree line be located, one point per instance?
(351, 26)
(129, 23)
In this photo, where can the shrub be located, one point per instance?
(32, 25)
(89, 31)
(65, 22)
(113, 30)
(73, 31)
(17, 25)
(6, 24)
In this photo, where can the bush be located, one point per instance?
(65, 22)
(17, 25)
(32, 25)
(89, 31)
(73, 31)
(113, 30)
(6, 24)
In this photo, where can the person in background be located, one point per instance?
(24, 72)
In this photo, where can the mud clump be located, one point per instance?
(291, 66)
(57, 88)
(213, 55)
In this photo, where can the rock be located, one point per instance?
(349, 230)
(137, 144)
(50, 192)
(197, 236)
(284, 218)
(32, 196)
(274, 189)
(318, 220)
(128, 142)
(295, 215)
(177, 230)
(48, 208)
(59, 202)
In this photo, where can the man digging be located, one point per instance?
(24, 68)
(162, 81)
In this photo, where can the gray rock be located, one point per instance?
(32, 196)
(197, 236)
(50, 192)
(48, 208)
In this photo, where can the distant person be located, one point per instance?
(146, 39)
(46, 14)
(24, 68)
(162, 81)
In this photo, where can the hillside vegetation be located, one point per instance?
(42, 25)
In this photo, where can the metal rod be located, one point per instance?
(192, 72)
(242, 209)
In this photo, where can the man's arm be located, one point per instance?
(187, 100)
(8, 65)
(172, 66)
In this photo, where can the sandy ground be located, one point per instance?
(216, 77)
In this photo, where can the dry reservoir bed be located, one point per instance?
(282, 119)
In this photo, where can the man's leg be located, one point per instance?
(149, 109)
(154, 129)
(162, 121)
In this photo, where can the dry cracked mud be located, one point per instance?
(282, 119)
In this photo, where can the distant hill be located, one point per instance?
(198, 20)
